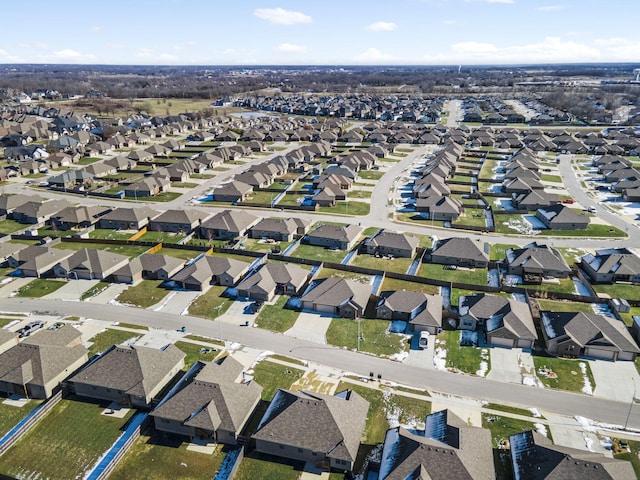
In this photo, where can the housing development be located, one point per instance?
(283, 283)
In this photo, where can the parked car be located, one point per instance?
(30, 327)
(423, 341)
(256, 306)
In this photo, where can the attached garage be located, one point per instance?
(599, 353)
(501, 342)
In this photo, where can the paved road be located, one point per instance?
(558, 402)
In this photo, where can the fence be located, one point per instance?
(230, 464)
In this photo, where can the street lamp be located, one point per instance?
(633, 398)
(358, 349)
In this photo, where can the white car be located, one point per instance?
(423, 341)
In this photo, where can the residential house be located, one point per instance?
(209, 270)
(448, 448)
(534, 199)
(507, 321)
(227, 225)
(395, 244)
(9, 202)
(313, 427)
(535, 457)
(38, 365)
(148, 187)
(273, 279)
(37, 213)
(78, 217)
(177, 221)
(149, 267)
(338, 296)
(235, 191)
(7, 340)
(459, 251)
(401, 305)
(126, 218)
(588, 335)
(339, 237)
(213, 403)
(534, 262)
(129, 375)
(90, 264)
(561, 217)
(37, 261)
(612, 265)
(279, 229)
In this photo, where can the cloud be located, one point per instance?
(33, 45)
(550, 8)
(381, 27)
(67, 53)
(290, 48)
(280, 16)
(97, 29)
(373, 56)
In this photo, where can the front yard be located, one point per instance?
(467, 359)
(374, 336)
(103, 340)
(206, 305)
(565, 374)
(272, 376)
(40, 287)
(275, 317)
(144, 294)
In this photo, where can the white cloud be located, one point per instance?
(381, 27)
(280, 16)
(97, 29)
(290, 48)
(373, 56)
(550, 8)
(474, 48)
(33, 45)
(67, 53)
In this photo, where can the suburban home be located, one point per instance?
(90, 264)
(7, 250)
(612, 265)
(561, 217)
(448, 448)
(129, 375)
(71, 180)
(36, 366)
(37, 261)
(209, 270)
(280, 229)
(235, 191)
(9, 202)
(126, 218)
(534, 262)
(36, 213)
(177, 221)
(148, 187)
(423, 311)
(441, 208)
(386, 243)
(338, 296)
(8, 340)
(589, 335)
(314, 427)
(534, 199)
(459, 251)
(227, 225)
(535, 457)
(339, 237)
(78, 217)
(273, 279)
(213, 403)
(507, 321)
(148, 266)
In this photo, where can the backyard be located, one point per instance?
(478, 276)
(319, 253)
(10, 415)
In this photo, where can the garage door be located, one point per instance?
(625, 356)
(501, 342)
(524, 343)
(597, 353)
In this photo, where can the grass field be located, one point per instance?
(569, 374)
(464, 359)
(632, 456)
(65, 443)
(393, 284)
(265, 467)
(275, 317)
(399, 265)
(620, 290)
(196, 352)
(206, 305)
(476, 276)
(130, 251)
(497, 251)
(144, 294)
(107, 234)
(319, 253)
(103, 340)
(164, 237)
(40, 287)
(272, 376)
(374, 337)
(8, 226)
(564, 306)
(10, 416)
(95, 290)
(501, 427)
(347, 208)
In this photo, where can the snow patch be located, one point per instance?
(440, 358)
(587, 388)
(534, 411)
(541, 428)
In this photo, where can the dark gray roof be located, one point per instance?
(343, 233)
(617, 261)
(130, 214)
(336, 291)
(394, 240)
(230, 220)
(461, 248)
(536, 256)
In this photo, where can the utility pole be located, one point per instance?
(219, 321)
(626, 422)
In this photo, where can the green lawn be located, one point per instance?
(507, 409)
(359, 194)
(632, 456)
(399, 265)
(545, 177)
(501, 427)
(275, 317)
(158, 456)
(564, 306)
(95, 290)
(88, 160)
(408, 409)
(564, 285)
(464, 359)
(144, 294)
(179, 253)
(184, 184)
(593, 230)
(65, 443)
(619, 290)
(196, 352)
(55, 232)
(273, 376)
(265, 467)
(476, 276)
(130, 251)
(164, 237)
(331, 273)
(568, 372)
(9, 226)
(206, 305)
(370, 174)
(628, 316)
(40, 287)
(319, 253)
(103, 340)
(161, 197)
(10, 416)
(393, 284)
(497, 251)
(262, 197)
(374, 337)
(347, 208)
(255, 245)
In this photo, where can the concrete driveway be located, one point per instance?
(311, 326)
(73, 290)
(566, 431)
(421, 357)
(238, 312)
(504, 365)
(109, 293)
(9, 288)
(176, 302)
(615, 380)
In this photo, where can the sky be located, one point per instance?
(320, 32)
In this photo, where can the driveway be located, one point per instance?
(566, 431)
(421, 357)
(157, 338)
(9, 288)
(176, 302)
(615, 380)
(237, 312)
(72, 290)
(311, 326)
(109, 293)
(504, 365)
